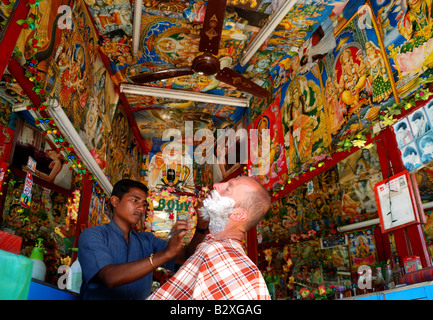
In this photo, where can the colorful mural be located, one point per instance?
(406, 27)
(358, 174)
(271, 156)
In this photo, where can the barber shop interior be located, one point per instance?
(284, 137)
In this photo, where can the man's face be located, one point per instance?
(131, 207)
(217, 209)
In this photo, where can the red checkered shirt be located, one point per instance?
(219, 269)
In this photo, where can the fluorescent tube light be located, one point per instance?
(358, 225)
(68, 131)
(138, 6)
(21, 106)
(183, 95)
(266, 31)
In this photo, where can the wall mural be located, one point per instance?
(172, 168)
(358, 174)
(123, 152)
(276, 174)
(406, 26)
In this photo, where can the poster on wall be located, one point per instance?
(358, 174)
(71, 68)
(407, 28)
(97, 214)
(50, 163)
(171, 168)
(165, 209)
(362, 249)
(304, 120)
(271, 156)
(356, 78)
(98, 113)
(123, 153)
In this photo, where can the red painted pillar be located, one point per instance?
(83, 214)
(409, 240)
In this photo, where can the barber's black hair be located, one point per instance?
(123, 186)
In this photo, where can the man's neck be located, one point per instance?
(126, 227)
(233, 234)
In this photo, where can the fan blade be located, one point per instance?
(237, 80)
(162, 74)
(212, 26)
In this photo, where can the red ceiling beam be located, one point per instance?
(17, 71)
(133, 123)
(11, 33)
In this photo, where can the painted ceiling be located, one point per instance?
(330, 67)
(179, 23)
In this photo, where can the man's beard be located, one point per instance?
(217, 209)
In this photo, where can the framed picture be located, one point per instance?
(362, 249)
(396, 202)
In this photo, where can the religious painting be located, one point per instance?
(261, 64)
(362, 249)
(174, 42)
(307, 257)
(358, 174)
(298, 25)
(172, 168)
(123, 157)
(98, 113)
(304, 121)
(97, 215)
(168, 114)
(70, 72)
(111, 16)
(48, 22)
(407, 28)
(310, 208)
(356, 78)
(424, 181)
(267, 159)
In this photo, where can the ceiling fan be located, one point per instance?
(207, 63)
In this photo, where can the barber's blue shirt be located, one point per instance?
(104, 245)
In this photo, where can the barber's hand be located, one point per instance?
(175, 243)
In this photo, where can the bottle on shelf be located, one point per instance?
(379, 282)
(75, 277)
(37, 256)
(397, 270)
(389, 279)
(340, 292)
(354, 289)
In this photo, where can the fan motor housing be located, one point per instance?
(206, 64)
